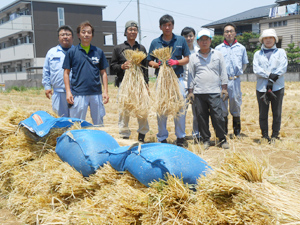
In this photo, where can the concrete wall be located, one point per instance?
(30, 83)
(37, 82)
(287, 77)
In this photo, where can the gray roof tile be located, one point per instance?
(258, 12)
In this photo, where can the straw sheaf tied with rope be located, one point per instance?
(133, 96)
(167, 97)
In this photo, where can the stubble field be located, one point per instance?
(281, 160)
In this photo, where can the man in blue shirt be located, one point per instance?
(53, 73)
(236, 59)
(179, 58)
(87, 63)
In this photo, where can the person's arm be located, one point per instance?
(282, 67)
(46, 77)
(69, 95)
(183, 61)
(257, 69)
(105, 96)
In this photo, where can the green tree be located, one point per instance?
(293, 54)
(244, 40)
(217, 39)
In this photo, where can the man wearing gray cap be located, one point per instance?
(207, 69)
(118, 66)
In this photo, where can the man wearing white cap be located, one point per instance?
(236, 59)
(118, 65)
(269, 65)
(207, 70)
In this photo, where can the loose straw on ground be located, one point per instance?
(133, 97)
(167, 97)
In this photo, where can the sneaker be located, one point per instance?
(197, 140)
(125, 137)
(206, 145)
(273, 140)
(180, 142)
(266, 138)
(141, 138)
(164, 141)
(225, 145)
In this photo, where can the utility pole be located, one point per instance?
(139, 21)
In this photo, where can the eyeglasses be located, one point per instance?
(229, 31)
(132, 30)
(65, 34)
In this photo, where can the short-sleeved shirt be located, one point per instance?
(85, 69)
(235, 57)
(179, 48)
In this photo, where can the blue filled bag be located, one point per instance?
(154, 160)
(85, 150)
(40, 123)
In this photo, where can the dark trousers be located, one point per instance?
(206, 105)
(276, 106)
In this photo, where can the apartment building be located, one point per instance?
(29, 29)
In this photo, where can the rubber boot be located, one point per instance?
(237, 126)
(226, 125)
(141, 137)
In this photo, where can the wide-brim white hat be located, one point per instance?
(268, 33)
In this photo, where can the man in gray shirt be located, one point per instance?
(207, 70)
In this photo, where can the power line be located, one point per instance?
(123, 10)
(176, 12)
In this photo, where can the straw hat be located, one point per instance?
(268, 33)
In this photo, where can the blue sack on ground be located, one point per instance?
(85, 150)
(118, 156)
(40, 123)
(154, 160)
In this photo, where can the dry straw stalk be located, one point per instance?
(133, 96)
(167, 93)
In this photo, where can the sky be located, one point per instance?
(193, 13)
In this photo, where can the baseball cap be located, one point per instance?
(130, 23)
(203, 32)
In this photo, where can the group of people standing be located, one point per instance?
(209, 77)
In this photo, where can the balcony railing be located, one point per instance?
(21, 23)
(18, 52)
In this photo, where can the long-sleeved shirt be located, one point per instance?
(118, 59)
(206, 74)
(235, 57)
(262, 67)
(53, 73)
(185, 74)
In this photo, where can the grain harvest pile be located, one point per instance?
(133, 94)
(252, 183)
(167, 96)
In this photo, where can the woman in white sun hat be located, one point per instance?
(269, 65)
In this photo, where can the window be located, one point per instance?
(61, 16)
(275, 24)
(284, 23)
(270, 25)
(108, 39)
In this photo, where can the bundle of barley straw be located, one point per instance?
(133, 96)
(167, 97)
